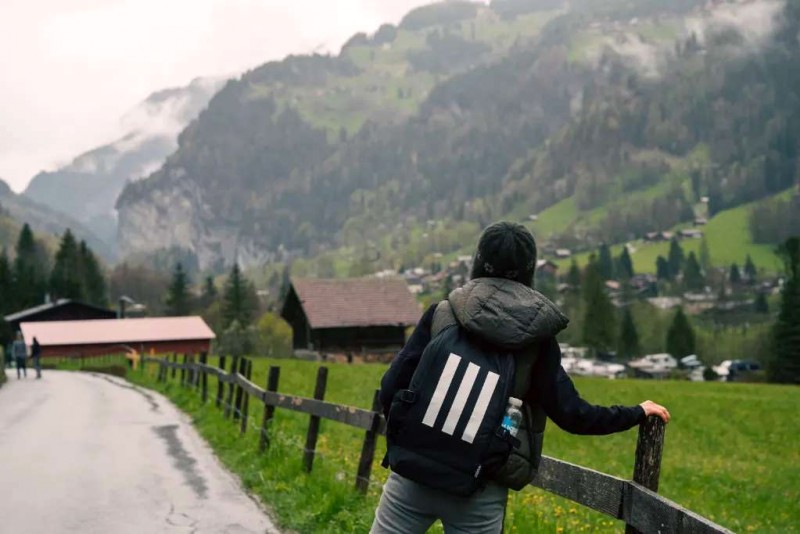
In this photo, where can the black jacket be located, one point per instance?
(551, 387)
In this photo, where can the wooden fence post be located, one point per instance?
(649, 447)
(313, 425)
(190, 371)
(183, 370)
(174, 360)
(269, 410)
(198, 373)
(248, 373)
(162, 371)
(368, 448)
(195, 372)
(203, 378)
(237, 413)
(220, 383)
(231, 387)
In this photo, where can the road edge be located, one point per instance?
(158, 397)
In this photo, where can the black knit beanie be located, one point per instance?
(506, 250)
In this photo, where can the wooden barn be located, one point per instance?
(60, 310)
(356, 315)
(188, 335)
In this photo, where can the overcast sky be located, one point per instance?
(69, 69)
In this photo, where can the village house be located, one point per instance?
(691, 233)
(355, 315)
(546, 267)
(98, 337)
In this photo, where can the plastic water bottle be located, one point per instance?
(513, 417)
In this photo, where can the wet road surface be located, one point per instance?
(93, 454)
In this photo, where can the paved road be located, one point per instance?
(92, 454)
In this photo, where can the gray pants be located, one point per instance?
(410, 508)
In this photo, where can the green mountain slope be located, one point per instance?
(727, 234)
(608, 118)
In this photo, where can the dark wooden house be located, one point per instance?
(60, 310)
(349, 315)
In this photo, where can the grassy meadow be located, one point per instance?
(729, 454)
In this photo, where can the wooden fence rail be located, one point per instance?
(633, 501)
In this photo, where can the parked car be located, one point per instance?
(729, 370)
(654, 361)
(691, 362)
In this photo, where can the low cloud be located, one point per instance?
(754, 20)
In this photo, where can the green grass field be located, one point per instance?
(730, 453)
(727, 235)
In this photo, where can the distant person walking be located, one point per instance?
(20, 353)
(36, 353)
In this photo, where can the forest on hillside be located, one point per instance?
(514, 130)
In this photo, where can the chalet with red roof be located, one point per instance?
(349, 315)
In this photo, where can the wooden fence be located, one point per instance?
(636, 502)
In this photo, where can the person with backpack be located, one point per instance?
(467, 397)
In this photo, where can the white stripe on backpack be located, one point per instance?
(461, 399)
(459, 402)
(445, 380)
(479, 412)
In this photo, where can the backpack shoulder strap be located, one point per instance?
(525, 359)
(443, 318)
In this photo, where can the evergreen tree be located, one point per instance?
(680, 336)
(238, 299)
(94, 282)
(662, 269)
(605, 263)
(705, 255)
(628, 346)
(735, 276)
(675, 258)
(286, 281)
(66, 279)
(750, 269)
(784, 366)
(7, 299)
(574, 275)
(178, 300)
(624, 264)
(599, 329)
(209, 294)
(29, 275)
(545, 283)
(693, 277)
(761, 305)
(7, 304)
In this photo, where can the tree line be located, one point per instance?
(33, 276)
(239, 317)
(609, 328)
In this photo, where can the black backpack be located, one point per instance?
(445, 431)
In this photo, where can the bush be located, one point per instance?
(710, 375)
(273, 336)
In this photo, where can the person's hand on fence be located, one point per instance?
(651, 408)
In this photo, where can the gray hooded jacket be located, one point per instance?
(514, 316)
